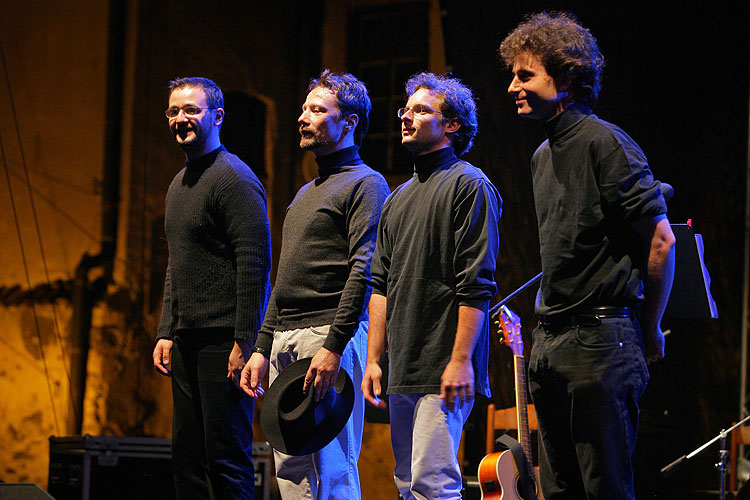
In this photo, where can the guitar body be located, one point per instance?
(499, 479)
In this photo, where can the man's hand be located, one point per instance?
(161, 354)
(252, 375)
(324, 368)
(237, 359)
(457, 382)
(371, 388)
(376, 346)
(654, 344)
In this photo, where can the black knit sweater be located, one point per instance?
(219, 248)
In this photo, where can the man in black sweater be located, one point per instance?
(215, 294)
(318, 307)
(607, 258)
(433, 277)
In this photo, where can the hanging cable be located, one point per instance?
(39, 240)
(28, 281)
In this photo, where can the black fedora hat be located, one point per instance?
(293, 422)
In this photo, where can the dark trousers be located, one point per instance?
(212, 433)
(586, 382)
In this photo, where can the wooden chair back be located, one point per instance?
(505, 419)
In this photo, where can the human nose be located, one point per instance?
(181, 116)
(303, 118)
(514, 86)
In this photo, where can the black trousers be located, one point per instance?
(586, 382)
(212, 433)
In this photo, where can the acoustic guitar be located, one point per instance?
(499, 475)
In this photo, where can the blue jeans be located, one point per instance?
(586, 382)
(425, 437)
(212, 433)
(331, 473)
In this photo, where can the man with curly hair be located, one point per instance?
(607, 261)
(433, 277)
(318, 308)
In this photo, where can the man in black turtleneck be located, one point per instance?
(607, 252)
(318, 307)
(215, 295)
(433, 272)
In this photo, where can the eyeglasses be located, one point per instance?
(188, 110)
(417, 110)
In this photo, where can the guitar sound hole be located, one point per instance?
(519, 487)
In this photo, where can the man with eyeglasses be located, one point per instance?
(318, 307)
(433, 278)
(215, 294)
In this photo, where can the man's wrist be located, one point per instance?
(262, 350)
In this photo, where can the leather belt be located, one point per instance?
(589, 317)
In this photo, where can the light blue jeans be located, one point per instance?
(425, 437)
(330, 473)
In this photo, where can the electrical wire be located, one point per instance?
(28, 281)
(41, 247)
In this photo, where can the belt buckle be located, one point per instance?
(588, 320)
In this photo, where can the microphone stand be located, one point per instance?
(495, 310)
(723, 454)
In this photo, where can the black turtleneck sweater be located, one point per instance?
(591, 182)
(219, 248)
(437, 249)
(327, 243)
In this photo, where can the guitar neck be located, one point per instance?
(522, 409)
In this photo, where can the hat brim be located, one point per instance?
(302, 436)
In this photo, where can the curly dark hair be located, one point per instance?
(565, 48)
(352, 98)
(214, 96)
(456, 103)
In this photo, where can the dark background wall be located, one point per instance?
(677, 81)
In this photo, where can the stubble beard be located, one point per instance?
(312, 143)
(191, 143)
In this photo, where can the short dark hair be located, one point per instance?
(456, 103)
(352, 98)
(564, 47)
(214, 96)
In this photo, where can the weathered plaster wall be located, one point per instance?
(52, 88)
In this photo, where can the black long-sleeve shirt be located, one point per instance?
(591, 182)
(327, 243)
(437, 250)
(219, 248)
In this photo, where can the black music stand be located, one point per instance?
(691, 290)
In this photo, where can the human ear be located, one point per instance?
(563, 82)
(452, 125)
(218, 116)
(351, 121)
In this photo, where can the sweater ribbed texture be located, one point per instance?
(218, 234)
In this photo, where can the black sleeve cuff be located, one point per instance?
(262, 350)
